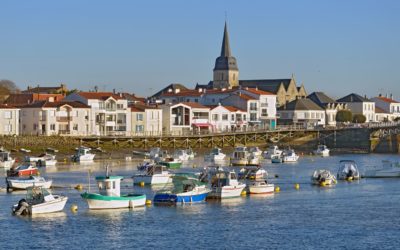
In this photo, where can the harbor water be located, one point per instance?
(361, 214)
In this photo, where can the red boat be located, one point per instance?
(23, 170)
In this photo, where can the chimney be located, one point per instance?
(386, 95)
(380, 95)
(113, 91)
(391, 96)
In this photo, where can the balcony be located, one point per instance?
(64, 132)
(64, 118)
(264, 105)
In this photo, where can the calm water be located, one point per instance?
(358, 215)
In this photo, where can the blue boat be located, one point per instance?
(186, 190)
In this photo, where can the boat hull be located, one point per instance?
(16, 184)
(226, 192)
(180, 198)
(152, 179)
(6, 164)
(97, 201)
(173, 165)
(253, 188)
(83, 158)
(53, 206)
(239, 162)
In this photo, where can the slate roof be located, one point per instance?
(353, 98)
(172, 86)
(301, 104)
(270, 85)
(26, 98)
(320, 98)
(99, 95)
(47, 104)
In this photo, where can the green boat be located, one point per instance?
(171, 162)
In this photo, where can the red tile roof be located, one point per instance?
(190, 92)
(47, 104)
(258, 91)
(229, 108)
(26, 98)
(141, 108)
(246, 97)
(99, 95)
(194, 105)
(385, 99)
(6, 106)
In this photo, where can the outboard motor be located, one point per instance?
(22, 208)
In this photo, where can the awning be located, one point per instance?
(201, 125)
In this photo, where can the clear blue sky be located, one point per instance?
(336, 46)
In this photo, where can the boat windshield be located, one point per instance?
(36, 195)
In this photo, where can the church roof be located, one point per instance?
(225, 49)
(301, 104)
(270, 85)
(226, 61)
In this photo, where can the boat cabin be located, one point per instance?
(222, 178)
(83, 151)
(5, 156)
(156, 169)
(38, 195)
(240, 153)
(109, 185)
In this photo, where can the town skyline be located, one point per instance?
(120, 53)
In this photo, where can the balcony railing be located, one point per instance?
(64, 118)
(64, 132)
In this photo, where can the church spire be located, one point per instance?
(225, 49)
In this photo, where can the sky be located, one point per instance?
(338, 47)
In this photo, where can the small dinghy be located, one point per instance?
(42, 160)
(185, 190)
(15, 183)
(322, 150)
(39, 200)
(224, 183)
(348, 171)
(323, 178)
(290, 156)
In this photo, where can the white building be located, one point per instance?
(302, 112)
(388, 105)
(55, 118)
(110, 114)
(359, 105)
(9, 124)
(185, 117)
(330, 106)
(146, 120)
(227, 118)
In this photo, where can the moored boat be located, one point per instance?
(16, 183)
(272, 151)
(23, 170)
(171, 162)
(323, 177)
(224, 184)
(256, 151)
(83, 154)
(240, 156)
(276, 159)
(6, 161)
(348, 171)
(322, 150)
(184, 154)
(386, 170)
(256, 180)
(42, 160)
(215, 155)
(153, 174)
(39, 200)
(290, 156)
(185, 190)
(109, 196)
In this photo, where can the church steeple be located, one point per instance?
(225, 49)
(226, 72)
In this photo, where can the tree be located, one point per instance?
(344, 116)
(7, 87)
(359, 118)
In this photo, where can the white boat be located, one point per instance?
(290, 156)
(348, 171)
(240, 156)
(323, 177)
(39, 201)
(253, 159)
(276, 159)
(83, 154)
(256, 180)
(42, 160)
(224, 184)
(6, 161)
(16, 183)
(322, 150)
(155, 153)
(272, 151)
(215, 155)
(184, 154)
(386, 170)
(109, 196)
(256, 151)
(153, 174)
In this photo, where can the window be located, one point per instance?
(196, 100)
(215, 117)
(224, 117)
(244, 118)
(253, 106)
(120, 106)
(233, 117)
(24, 127)
(139, 117)
(253, 117)
(264, 112)
(139, 128)
(7, 115)
(75, 127)
(35, 126)
(7, 128)
(52, 127)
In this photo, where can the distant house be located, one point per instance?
(227, 118)
(303, 112)
(146, 120)
(55, 118)
(330, 106)
(387, 105)
(9, 116)
(132, 98)
(359, 105)
(173, 87)
(184, 117)
(110, 112)
(28, 98)
(62, 89)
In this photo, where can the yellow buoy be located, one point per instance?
(243, 192)
(148, 202)
(74, 208)
(79, 187)
(322, 184)
(297, 186)
(141, 183)
(277, 189)
(350, 178)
